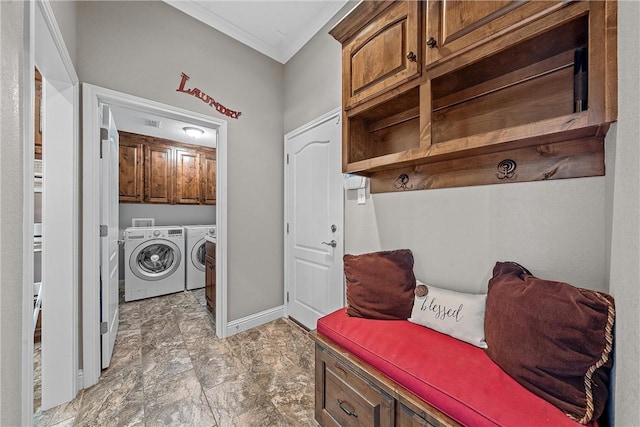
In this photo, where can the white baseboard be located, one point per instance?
(248, 322)
(79, 381)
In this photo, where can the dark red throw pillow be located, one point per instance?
(380, 285)
(551, 337)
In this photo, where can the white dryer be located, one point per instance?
(195, 251)
(155, 261)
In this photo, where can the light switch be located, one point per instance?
(361, 196)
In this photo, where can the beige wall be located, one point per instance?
(11, 199)
(584, 231)
(141, 48)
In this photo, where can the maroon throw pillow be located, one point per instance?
(552, 338)
(380, 285)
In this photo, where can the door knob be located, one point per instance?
(332, 243)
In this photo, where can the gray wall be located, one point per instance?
(625, 219)
(584, 231)
(312, 77)
(164, 215)
(11, 200)
(141, 48)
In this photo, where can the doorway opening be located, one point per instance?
(93, 99)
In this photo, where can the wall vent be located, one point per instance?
(152, 123)
(143, 222)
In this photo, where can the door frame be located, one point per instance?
(44, 45)
(92, 97)
(335, 114)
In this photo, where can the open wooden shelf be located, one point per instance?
(390, 127)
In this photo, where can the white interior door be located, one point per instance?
(314, 283)
(109, 235)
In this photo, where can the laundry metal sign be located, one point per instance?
(207, 99)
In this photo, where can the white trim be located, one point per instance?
(334, 114)
(45, 44)
(257, 319)
(80, 379)
(92, 97)
(221, 232)
(58, 40)
(28, 95)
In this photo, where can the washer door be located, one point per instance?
(198, 254)
(155, 259)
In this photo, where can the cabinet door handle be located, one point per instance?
(432, 42)
(350, 412)
(412, 57)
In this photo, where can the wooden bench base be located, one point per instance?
(349, 392)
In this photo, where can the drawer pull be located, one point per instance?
(351, 413)
(341, 369)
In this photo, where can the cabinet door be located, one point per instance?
(158, 166)
(454, 25)
(130, 166)
(188, 186)
(208, 172)
(383, 55)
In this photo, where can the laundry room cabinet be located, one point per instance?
(384, 54)
(453, 27)
(504, 91)
(156, 170)
(131, 180)
(210, 275)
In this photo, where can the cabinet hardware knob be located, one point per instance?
(411, 56)
(432, 42)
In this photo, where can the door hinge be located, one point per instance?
(287, 296)
(104, 230)
(287, 158)
(287, 228)
(104, 135)
(104, 328)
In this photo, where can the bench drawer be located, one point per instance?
(349, 400)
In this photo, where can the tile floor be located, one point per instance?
(168, 368)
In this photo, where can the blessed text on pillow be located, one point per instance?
(457, 314)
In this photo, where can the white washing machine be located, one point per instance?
(195, 253)
(155, 261)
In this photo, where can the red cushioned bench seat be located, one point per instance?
(452, 376)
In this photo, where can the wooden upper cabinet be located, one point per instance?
(158, 165)
(383, 54)
(510, 91)
(208, 177)
(188, 188)
(453, 26)
(130, 179)
(157, 170)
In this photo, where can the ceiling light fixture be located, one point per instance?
(193, 132)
